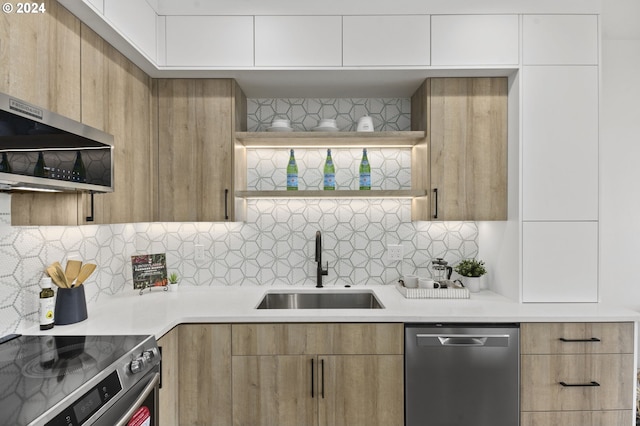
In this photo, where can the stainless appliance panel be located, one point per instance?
(42, 150)
(462, 375)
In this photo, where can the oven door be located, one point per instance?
(137, 407)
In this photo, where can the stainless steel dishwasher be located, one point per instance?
(462, 374)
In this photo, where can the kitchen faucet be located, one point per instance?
(321, 271)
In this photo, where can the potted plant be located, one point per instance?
(173, 281)
(472, 270)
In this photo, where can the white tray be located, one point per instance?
(433, 293)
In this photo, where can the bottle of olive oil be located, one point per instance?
(292, 173)
(329, 173)
(365, 171)
(46, 304)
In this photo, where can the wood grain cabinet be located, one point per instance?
(77, 74)
(317, 374)
(196, 125)
(577, 373)
(463, 159)
(168, 395)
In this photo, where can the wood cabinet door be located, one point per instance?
(167, 398)
(311, 339)
(577, 382)
(361, 390)
(117, 98)
(275, 390)
(195, 148)
(468, 148)
(582, 418)
(577, 338)
(205, 374)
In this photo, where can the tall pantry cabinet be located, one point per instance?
(560, 158)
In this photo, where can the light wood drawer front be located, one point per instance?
(582, 418)
(544, 338)
(309, 339)
(541, 376)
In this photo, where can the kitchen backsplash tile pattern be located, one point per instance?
(388, 114)
(267, 168)
(275, 245)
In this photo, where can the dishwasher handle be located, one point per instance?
(463, 340)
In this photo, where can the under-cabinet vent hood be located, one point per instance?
(41, 150)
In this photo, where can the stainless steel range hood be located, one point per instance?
(43, 151)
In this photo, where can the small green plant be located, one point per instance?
(470, 268)
(173, 278)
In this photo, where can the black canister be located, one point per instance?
(71, 306)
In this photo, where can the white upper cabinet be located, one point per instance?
(560, 40)
(560, 262)
(298, 41)
(474, 40)
(560, 143)
(209, 41)
(97, 4)
(136, 20)
(386, 40)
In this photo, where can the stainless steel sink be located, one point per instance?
(319, 300)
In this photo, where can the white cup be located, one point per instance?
(426, 283)
(410, 281)
(281, 122)
(327, 122)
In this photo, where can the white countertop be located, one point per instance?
(157, 312)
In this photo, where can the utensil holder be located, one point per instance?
(71, 306)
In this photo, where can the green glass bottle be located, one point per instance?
(292, 173)
(41, 169)
(5, 167)
(365, 171)
(329, 173)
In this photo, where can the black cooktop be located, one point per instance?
(39, 372)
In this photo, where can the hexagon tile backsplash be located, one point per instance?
(275, 246)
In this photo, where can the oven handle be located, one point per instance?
(138, 403)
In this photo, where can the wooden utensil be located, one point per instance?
(86, 270)
(57, 275)
(72, 270)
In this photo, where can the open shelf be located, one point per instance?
(329, 139)
(344, 193)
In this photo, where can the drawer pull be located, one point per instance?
(591, 340)
(575, 385)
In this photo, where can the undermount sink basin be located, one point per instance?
(320, 300)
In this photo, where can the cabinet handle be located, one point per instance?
(322, 377)
(312, 380)
(226, 204)
(575, 385)
(591, 340)
(91, 217)
(435, 193)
